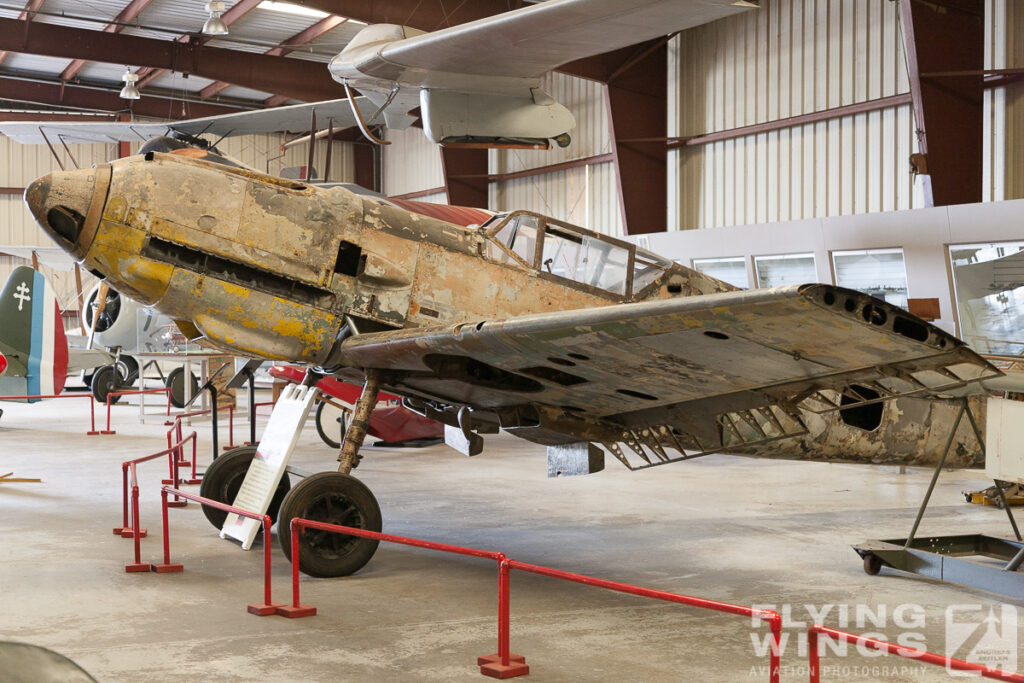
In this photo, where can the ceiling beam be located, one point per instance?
(301, 38)
(295, 78)
(127, 15)
(26, 15)
(66, 95)
(238, 10)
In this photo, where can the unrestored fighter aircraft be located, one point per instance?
(554, 333)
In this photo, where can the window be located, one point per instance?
(878, 272)
(732, 270)
(988, 280)
(787, 269)
(518, 234)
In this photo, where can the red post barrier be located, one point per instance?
(504, 664)
(126, 531)
(261, 609)
(910, 653)
(92, 407)
(136, 566)
(166, 390)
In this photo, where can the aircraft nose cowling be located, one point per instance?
(61, 203)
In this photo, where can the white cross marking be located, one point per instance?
(21, 294)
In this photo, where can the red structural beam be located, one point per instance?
(292, 77)
(66, 95)
(26, 15)
(126, 15)
(943, 36)
(299, 39)
(465, 176)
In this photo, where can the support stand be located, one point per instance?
(247, 375)
(947, 558)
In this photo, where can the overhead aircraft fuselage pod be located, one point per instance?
(269, 267)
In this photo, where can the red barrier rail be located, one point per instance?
(92, 408)
(135, 531)
(504, 664)
(135, 392)
(910, 653)
(260, 609)
(175, 429)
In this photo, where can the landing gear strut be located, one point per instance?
(336, 498)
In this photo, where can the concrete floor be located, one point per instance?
(734, 529)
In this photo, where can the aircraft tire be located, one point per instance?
(328, 419)
(129, 369)
(334, 498)
(872, 564)
(105, 380)
(224, 477)
(176, 382)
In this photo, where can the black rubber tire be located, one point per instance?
(129, 369)
(872, 564)
(327, 427)
(176, 381)
(106, 379)
(224, 477)
(334, 498)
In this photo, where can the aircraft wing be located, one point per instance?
(294, 118)
(87, 359)
(531, 41)
(54, 257)
(706, 373)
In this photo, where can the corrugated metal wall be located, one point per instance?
(21, 164)
(411, 163)
(791, 57)
(1013, 100)
(587, 195)
(796, 57)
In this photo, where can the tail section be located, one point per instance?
(31, 336)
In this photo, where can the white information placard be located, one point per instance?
(266, 469)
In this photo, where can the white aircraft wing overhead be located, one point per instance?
(54, 257)
(294, 118)
(529, 42)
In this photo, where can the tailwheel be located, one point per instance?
(224, 477)
(333, 498)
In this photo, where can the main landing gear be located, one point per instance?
(336, 498)
(331, 497)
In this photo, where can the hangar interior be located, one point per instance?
(873, 146)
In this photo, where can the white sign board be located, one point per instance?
(266, 469)
(1004, 440)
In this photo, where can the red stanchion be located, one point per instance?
(92, 408)
(504, 664)
(135, 392)
(261, 609)
(900, 651)
(133, 531)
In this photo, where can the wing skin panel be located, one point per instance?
(528, 42)
(619, 359)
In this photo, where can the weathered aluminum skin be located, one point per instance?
(478, 338)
